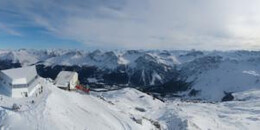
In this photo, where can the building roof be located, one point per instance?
(21, 75)
(64, 77)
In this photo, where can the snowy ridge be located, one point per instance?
(64, 110)
(129, 109)
(211, 72)
(241, 114)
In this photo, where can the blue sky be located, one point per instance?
(32, 39)
(130, 24)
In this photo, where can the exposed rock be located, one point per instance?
(228, 97)
(140, 109)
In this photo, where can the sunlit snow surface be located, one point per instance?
(63, 110)
(241, 114)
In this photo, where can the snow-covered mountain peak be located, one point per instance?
(203, 71)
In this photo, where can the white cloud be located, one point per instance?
(9, 30)
(149, 24)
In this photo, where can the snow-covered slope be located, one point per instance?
(210, 73)
(128, 109)
(241, 114)
(216, 75)
(62, 110)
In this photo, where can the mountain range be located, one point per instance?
(203, 75)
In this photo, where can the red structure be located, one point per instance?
(83, 88)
